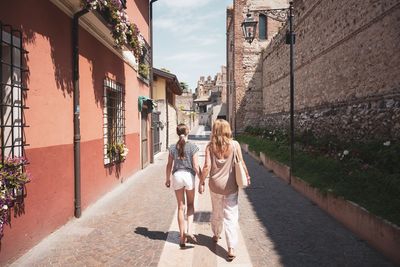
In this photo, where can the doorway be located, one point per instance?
(144, 137)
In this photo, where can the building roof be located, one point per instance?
(172, 80)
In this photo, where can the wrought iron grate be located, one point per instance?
(13, 91)
(113, 119)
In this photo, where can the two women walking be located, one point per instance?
(219, 166)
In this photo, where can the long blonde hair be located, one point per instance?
(221, 136)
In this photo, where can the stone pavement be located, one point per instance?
(135, 225)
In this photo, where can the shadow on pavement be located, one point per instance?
(202, 217)
(199, 137)
(155, 235)
(301, 233)
(206, 241)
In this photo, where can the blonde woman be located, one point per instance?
(223, 188)
(183, 162)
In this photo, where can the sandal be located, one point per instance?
(191, 238)
(216, 238)
(182, 244)
(231, 255)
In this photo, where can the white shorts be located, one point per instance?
(182, 179)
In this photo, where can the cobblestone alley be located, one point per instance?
(135, 225)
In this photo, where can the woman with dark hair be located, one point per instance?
(183, 162)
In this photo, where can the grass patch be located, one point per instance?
(371, 180)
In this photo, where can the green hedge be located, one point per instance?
(367, 174)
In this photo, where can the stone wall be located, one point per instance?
(247, 100)
(347, 75)
(172, 123)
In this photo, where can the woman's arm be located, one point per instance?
(206, 167)
(205, 170)
(168, 170)
(196, 167)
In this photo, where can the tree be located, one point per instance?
(184, 86)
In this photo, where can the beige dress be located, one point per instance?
(222, 173)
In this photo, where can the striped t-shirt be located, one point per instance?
(187, 162)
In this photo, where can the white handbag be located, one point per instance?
(240, 173)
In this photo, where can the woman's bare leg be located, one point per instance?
(190, 209)
(180, 198)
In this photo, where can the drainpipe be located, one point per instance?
(77, 131)
(151, 80)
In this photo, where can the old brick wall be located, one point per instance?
(247, 99)
(347, 75)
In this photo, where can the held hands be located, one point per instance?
(201, 187)
(168, 182)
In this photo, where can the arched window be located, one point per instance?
(262, 27)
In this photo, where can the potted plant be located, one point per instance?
(117, 151)
(12, 183)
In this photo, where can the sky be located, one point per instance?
(189, 37)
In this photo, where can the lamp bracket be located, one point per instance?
(278, 14)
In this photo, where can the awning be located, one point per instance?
(144, 100)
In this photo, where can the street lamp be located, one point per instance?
(281, 15)
(249, 28)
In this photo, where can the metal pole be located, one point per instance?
(291, 90)
(77, 131)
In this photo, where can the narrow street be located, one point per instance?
(135, 225)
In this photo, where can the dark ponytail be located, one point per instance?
(182, 131)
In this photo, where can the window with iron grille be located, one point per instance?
(13, 92)
(113, 121)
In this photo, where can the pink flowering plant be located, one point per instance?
(124, 32)
(12, 183)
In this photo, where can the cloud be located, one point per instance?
(204, 40)
(187, 22)
(191, 57)
(184, 3)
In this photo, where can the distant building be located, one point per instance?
(186, 109)
(166, 88)
(210, 100)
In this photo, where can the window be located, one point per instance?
(114, 121)
(262, 27)
(12, 93)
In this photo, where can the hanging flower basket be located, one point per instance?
(123, 31)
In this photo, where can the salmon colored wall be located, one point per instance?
(50, 85)
(50, 200)
(138, 12)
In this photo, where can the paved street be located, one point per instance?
(135, 225)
